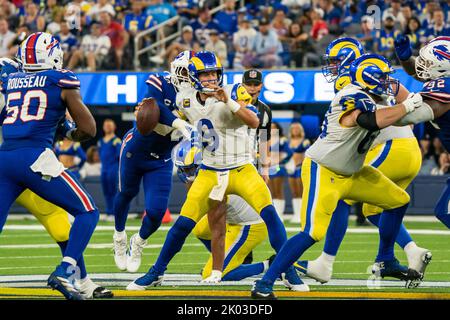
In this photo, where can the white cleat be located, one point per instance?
(120, 250)
(418, 259)
(134, 255)
(90, 290)
(319, 270)
(135, 287)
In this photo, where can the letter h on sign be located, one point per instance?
(114, 89)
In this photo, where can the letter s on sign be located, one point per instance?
(279, 87)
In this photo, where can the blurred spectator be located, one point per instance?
(57, 17)
(332, 14)
(243, 42)
(384, 43)
(162, 11)
(67, 40)
(407, 14)
(218, 46)
(415, 34)
(319, 26)
(101, 5)
(267, 46)
(185, 42)
(117, 34)
(95, 48)
(22, 33)
(395, 10)
(71, 155)
(299, 44)
(49, 9)
(137, 20)
(281, 24)
(296, 7)
(187, 9)
(6, 38)
(202, 26)
(32, 19)
(227, 19)
(438, 28)
(92, 166)
(426, 15)
(366, 37)
(428, 161)
(351, 19)
(74, 14)
(443, 167)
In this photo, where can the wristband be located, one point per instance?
(233, 105)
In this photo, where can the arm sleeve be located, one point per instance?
(368, 120)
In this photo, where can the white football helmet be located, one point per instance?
(433, 61)
(40, 51)
(179, 73)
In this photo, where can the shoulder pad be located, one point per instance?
(155, 80)
(358, 100)
(342, 81)
(66, 79)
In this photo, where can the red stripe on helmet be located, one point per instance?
(30, 53)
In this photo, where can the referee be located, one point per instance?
(253, 82)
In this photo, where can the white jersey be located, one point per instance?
(240, 212)
(339, 148)
(100, 45)
(226, 136)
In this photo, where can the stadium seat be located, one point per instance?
(311, 124)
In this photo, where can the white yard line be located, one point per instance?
(122, 279)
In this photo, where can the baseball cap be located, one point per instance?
(187, 29)
(389, 16)
(252, 75)
(213, 31)
(264, 22)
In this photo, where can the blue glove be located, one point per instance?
(66, 128)
(403, 47)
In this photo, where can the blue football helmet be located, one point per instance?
(339, 55)
(371, 72)
(187, 159)
(204, 61)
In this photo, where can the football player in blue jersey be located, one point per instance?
(53, 218)
(432, 66)
(109, 151)
(148, 158)
(37, 100)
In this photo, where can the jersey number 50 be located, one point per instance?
(14, 112)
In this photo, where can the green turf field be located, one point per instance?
(26, 250)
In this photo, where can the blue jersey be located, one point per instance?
(109, 152)
(303, 146)
(156, 145)
(282, 147)
(439, 90)
(34, 107)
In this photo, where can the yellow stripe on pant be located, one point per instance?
(240, 240)
(53, 218)
(244, 181)
(323, 189)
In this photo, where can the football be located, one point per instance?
(147, 116)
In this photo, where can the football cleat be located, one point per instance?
(59, 280)
(91, 290)
(120, 250)
(315, 269)
(292, 281)
(394, 269)
(150, 279)
(262, 290)
(134, 255)
(418, 260)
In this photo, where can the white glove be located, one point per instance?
(413, 101)
(215, 277)
(189, 131)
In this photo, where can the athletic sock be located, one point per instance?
(275, 227)
(337, 228)
(389, 226)
(174, 242)
(244, 271)
(289, 253)
(150, 223)
(403, 237)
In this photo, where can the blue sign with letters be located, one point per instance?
(280, 86)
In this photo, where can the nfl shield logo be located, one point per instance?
(252, 74)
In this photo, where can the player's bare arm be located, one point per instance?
(381, 118)
(86, 127)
